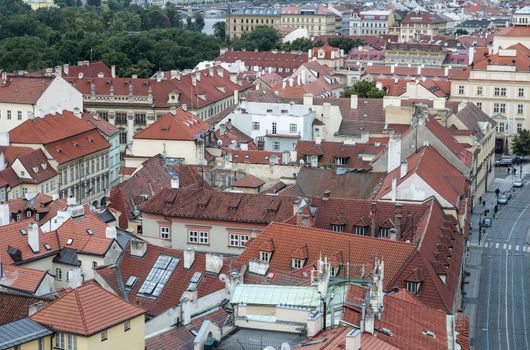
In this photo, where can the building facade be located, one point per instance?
(371, 22)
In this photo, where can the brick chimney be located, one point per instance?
(373, 212)
(397, 221)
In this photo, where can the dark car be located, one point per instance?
(504, 162)
(486, 222)
(503, 198)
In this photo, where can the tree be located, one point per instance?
(124, 21)
(219, 30)
(363, 89)
(521, 143)
(262, 38)
(174, 16)
(198, 21)
(461, 32)
(300, 44)
(94, 3)
(345, 43)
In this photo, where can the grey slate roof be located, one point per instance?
(20, 332)
(106, 216)
(67, 256)
(123, 237)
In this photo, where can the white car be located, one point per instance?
(518, 183)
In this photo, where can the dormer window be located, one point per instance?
(265, 256)
(338, 228)
(334, 271)
(413, 287)
(297, 263)
(28, 213)
(361, 230)
(384, 232)
(341, 161)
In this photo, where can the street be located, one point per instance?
(498, 293)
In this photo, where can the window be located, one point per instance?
(500, 127)
(123, 137)
(28, 213)
(139, 119)
(233, 241)
(37, 216)
(265, 256)
(193, 237)
(383, 232)
(520, 92)
(520, 109)
(461, 89)
(519, 127)
(126, 325)
(297, 263)
(9, 115)
(413, 287)
(255, 126)
(479, 105)
(94, 264)
(479, 90)
(18, 215)
(274, 128)
(243, 239)
(293, 129)
(276, 145)
(121, 118)
(59, 340)
(19, 115)
(103, 335)
(499, 91)
(58, 274)
(340, 161)
(499, 108)
(72, 342)
(361, 230)
(164, 232)
(338, 227)
(203, 237)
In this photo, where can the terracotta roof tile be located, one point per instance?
(21, 279)
(23, 89)
(86, 310)
(103, 126)
(248, 181)
(15, 306)
(183, 126)
(253, 156)
(463, 328)
(328, 151)
(76, 146)
(266, 59)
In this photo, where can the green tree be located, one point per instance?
(198, 21)
(300, 44)
(521, 143)
(262, 38)
(94, 3)
(345, 43)
(124, 21)
(363, 89)
(219, 30)
(13, 7)
(461, 32)
(174, 16)
(155, 17)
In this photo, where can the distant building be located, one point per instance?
(247, 19)
(372, 22)
(421, 23)
(475, 25)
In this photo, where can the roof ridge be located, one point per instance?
(81, 311)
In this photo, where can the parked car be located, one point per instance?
(486, 222)
(508, 194)
(503, 198)
(518, 183)
(505, 161)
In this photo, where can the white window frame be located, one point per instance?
(104, 336)
(58, 274)
(341, 161)
(72, 342)
(413, 287)
(520, 92)
(193, 236)
(59, 340)
(28, 213)
(293, 128)
(479, 90)
(255, 126)
(360, 230)
(127, 325)
(165, 233)
(384, 232)
(204, 237)
(297, 263)
(276, 145)
(233, 240)
(337, 228)
(520, 109)
(243, 239)
(461, 89)
(265, 256)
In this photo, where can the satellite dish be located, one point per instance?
(222, 277)
(285, 346)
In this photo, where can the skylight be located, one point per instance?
(194, 281)
(158, 276)
(47, 246)
(69, 241)
(89, 231)
(131, 281)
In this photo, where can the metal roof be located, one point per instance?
(258, 11)
(275, 295)
(20, 332)
(67, 256)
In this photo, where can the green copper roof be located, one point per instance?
(275, 295)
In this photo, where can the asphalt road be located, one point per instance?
(503, 307)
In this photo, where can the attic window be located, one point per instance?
(76, 145)
(297, 263)
(44, 166)
(69, 241)
(384, 232)
(47, 246)
(23, 232)
(338, 228)
(413, 287)
(89, 139)
(361, 230)
(35, 169)
(58, 149)
(429, 333)
(89, 231)
(265, 256)
(131, 281)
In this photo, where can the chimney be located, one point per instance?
(392, 69)
(373, 213)
(58, 71)
(198, 76)
(394, 153)
(220, 72)
(211, 71)
(138, 248)
(419, 70)
(110, 232)
(33, 308)
(33, 237)
(5, 214)
(4, 138)
(302, 219)
(236, 97)
(4, 78)
(353, 101)
(113, 71)
(353, 340)
(308, 99)
(309, 53)
(184, 107)
(393, 194)
(446, 71)
(397, 223)
(214, 263)
(403, 169)
(75, 277)
(159, 77)
(173, 110)
(327, 195)
(66, 69)
(189, 258)
(175, 181)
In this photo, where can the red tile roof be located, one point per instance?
(42, 204)
(152, 176)
(103, 126)
(248, 181)
(199, 203)
(21, 279)
(253, 156)
(36, 166)
(463, 328)
(266, 59)
(232, 134)
(514, 31)
(49, 129)
(521, 60)
(86, 310)
(177, 284)
(15, 306)
(23, 89)
(355, 249)
(335, 338)
(406, 319)
(458, 149)
(77, 146)
(422, 17)
(328, 151)
(183, 126)
(437, 172)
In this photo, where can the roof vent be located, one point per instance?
(429, 334)
(386, 331)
